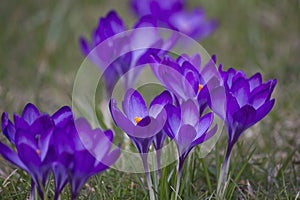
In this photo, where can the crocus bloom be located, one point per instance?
(186, 128)
(246, 101)
(141, 124)
(109, 26)
(138, 123)
(75, 143)
(92, 154)
(57, 143)
(172, 14)
(186, 78)
(62, 145)
(31, 135)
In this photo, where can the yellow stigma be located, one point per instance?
(200, 87)
(38, 152)
(137, 119)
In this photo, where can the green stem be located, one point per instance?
(223, 178)
(179, 167)
(148, 177)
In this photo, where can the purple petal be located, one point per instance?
(134, 105)
(205, 136)
(192, 23)
(29, 157)
(162, 99)
(185, 137)
(189, 113)
(42, 124)
(60, 176)
(20, 122)
(11, 156)
(218, 102)
(85, 157)
(232, 106)
(203, 124)
(209, 70)
(25, 137)
(158, 103)
(241, 91)
(30, 113)
(95, 141)
(119, 119)
(159, 139)
(62, 116)
(255, 81)
(84, 46)
(110, 158)
(173, 120)
(8, 128)
(262, 111)
(150, 128)
(245, 116)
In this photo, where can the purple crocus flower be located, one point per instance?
(62, 145)
(185, 126)
(92, 149)
(141, 124)
(186, 78)
(246, 101)
(109, 26)
(59, 144)
(172, 14)
(138, 123)
(30, 135)
(75, 143)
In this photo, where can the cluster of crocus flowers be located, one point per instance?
(165, 14)
(56, 144)
(184, 112)
(181, 122)
(174, 15)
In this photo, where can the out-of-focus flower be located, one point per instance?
(172, 14)
(120, 49)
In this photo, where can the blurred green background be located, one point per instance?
(40, 55)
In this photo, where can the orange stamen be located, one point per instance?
(38, 152)
(200, 87)
(137, 119)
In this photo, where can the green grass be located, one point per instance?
(39, 57)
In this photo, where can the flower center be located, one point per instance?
(200, 86)
(38, 152)
(137, 120)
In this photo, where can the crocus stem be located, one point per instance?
(33, 192)
(148, 176)
(223, 178)
(179, 169)
(158, 163)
